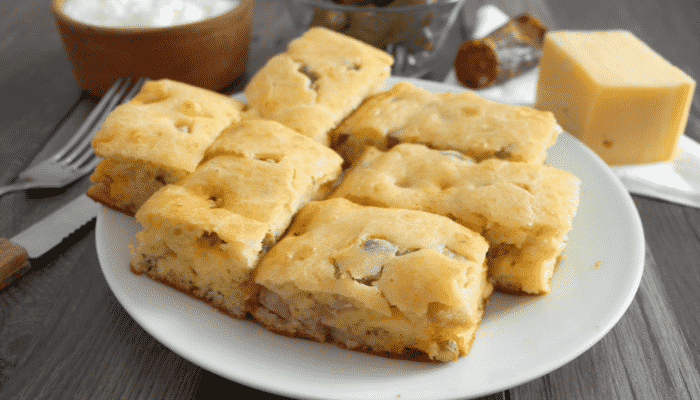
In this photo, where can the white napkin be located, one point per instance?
(676, 181)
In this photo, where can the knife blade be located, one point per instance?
(42, 237)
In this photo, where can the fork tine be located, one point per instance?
(79, 157)
(135, 89)
(85, 154)
(104, 102)
(87, 130)
(90, 164)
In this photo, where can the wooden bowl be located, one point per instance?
(211, 53)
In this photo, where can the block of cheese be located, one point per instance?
(614, 93)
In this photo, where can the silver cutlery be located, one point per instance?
(15, 254)
(76, 158)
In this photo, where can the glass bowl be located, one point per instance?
(413, 31)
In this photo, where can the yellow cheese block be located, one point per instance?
(614, 93)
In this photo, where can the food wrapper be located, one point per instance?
(506, 52)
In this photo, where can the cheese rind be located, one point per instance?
(614, 93)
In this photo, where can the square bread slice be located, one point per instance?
(206, 234)
(156, 138)
(321, 78)
(397, 283)
(524, 211)
(464, 122)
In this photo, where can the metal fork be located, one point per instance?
(76, 158)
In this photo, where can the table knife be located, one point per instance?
(42, 237)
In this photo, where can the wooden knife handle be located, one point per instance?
(14, 261)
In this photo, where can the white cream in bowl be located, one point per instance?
(145, 13)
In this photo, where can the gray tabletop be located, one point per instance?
(63, 334)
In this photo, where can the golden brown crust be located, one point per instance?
(517, 290)
(347, 273)
(409, 354)
(166, 118)
(97, 193)
(523, 210)
(300, 87)
(514, 290)
(463, 122)
(124, 184)
(210, 229)
(188, 292)
(156, 138)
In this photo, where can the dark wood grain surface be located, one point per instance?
(63, 334)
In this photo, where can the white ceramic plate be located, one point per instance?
(520, 338)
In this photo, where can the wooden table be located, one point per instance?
(64, 335)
